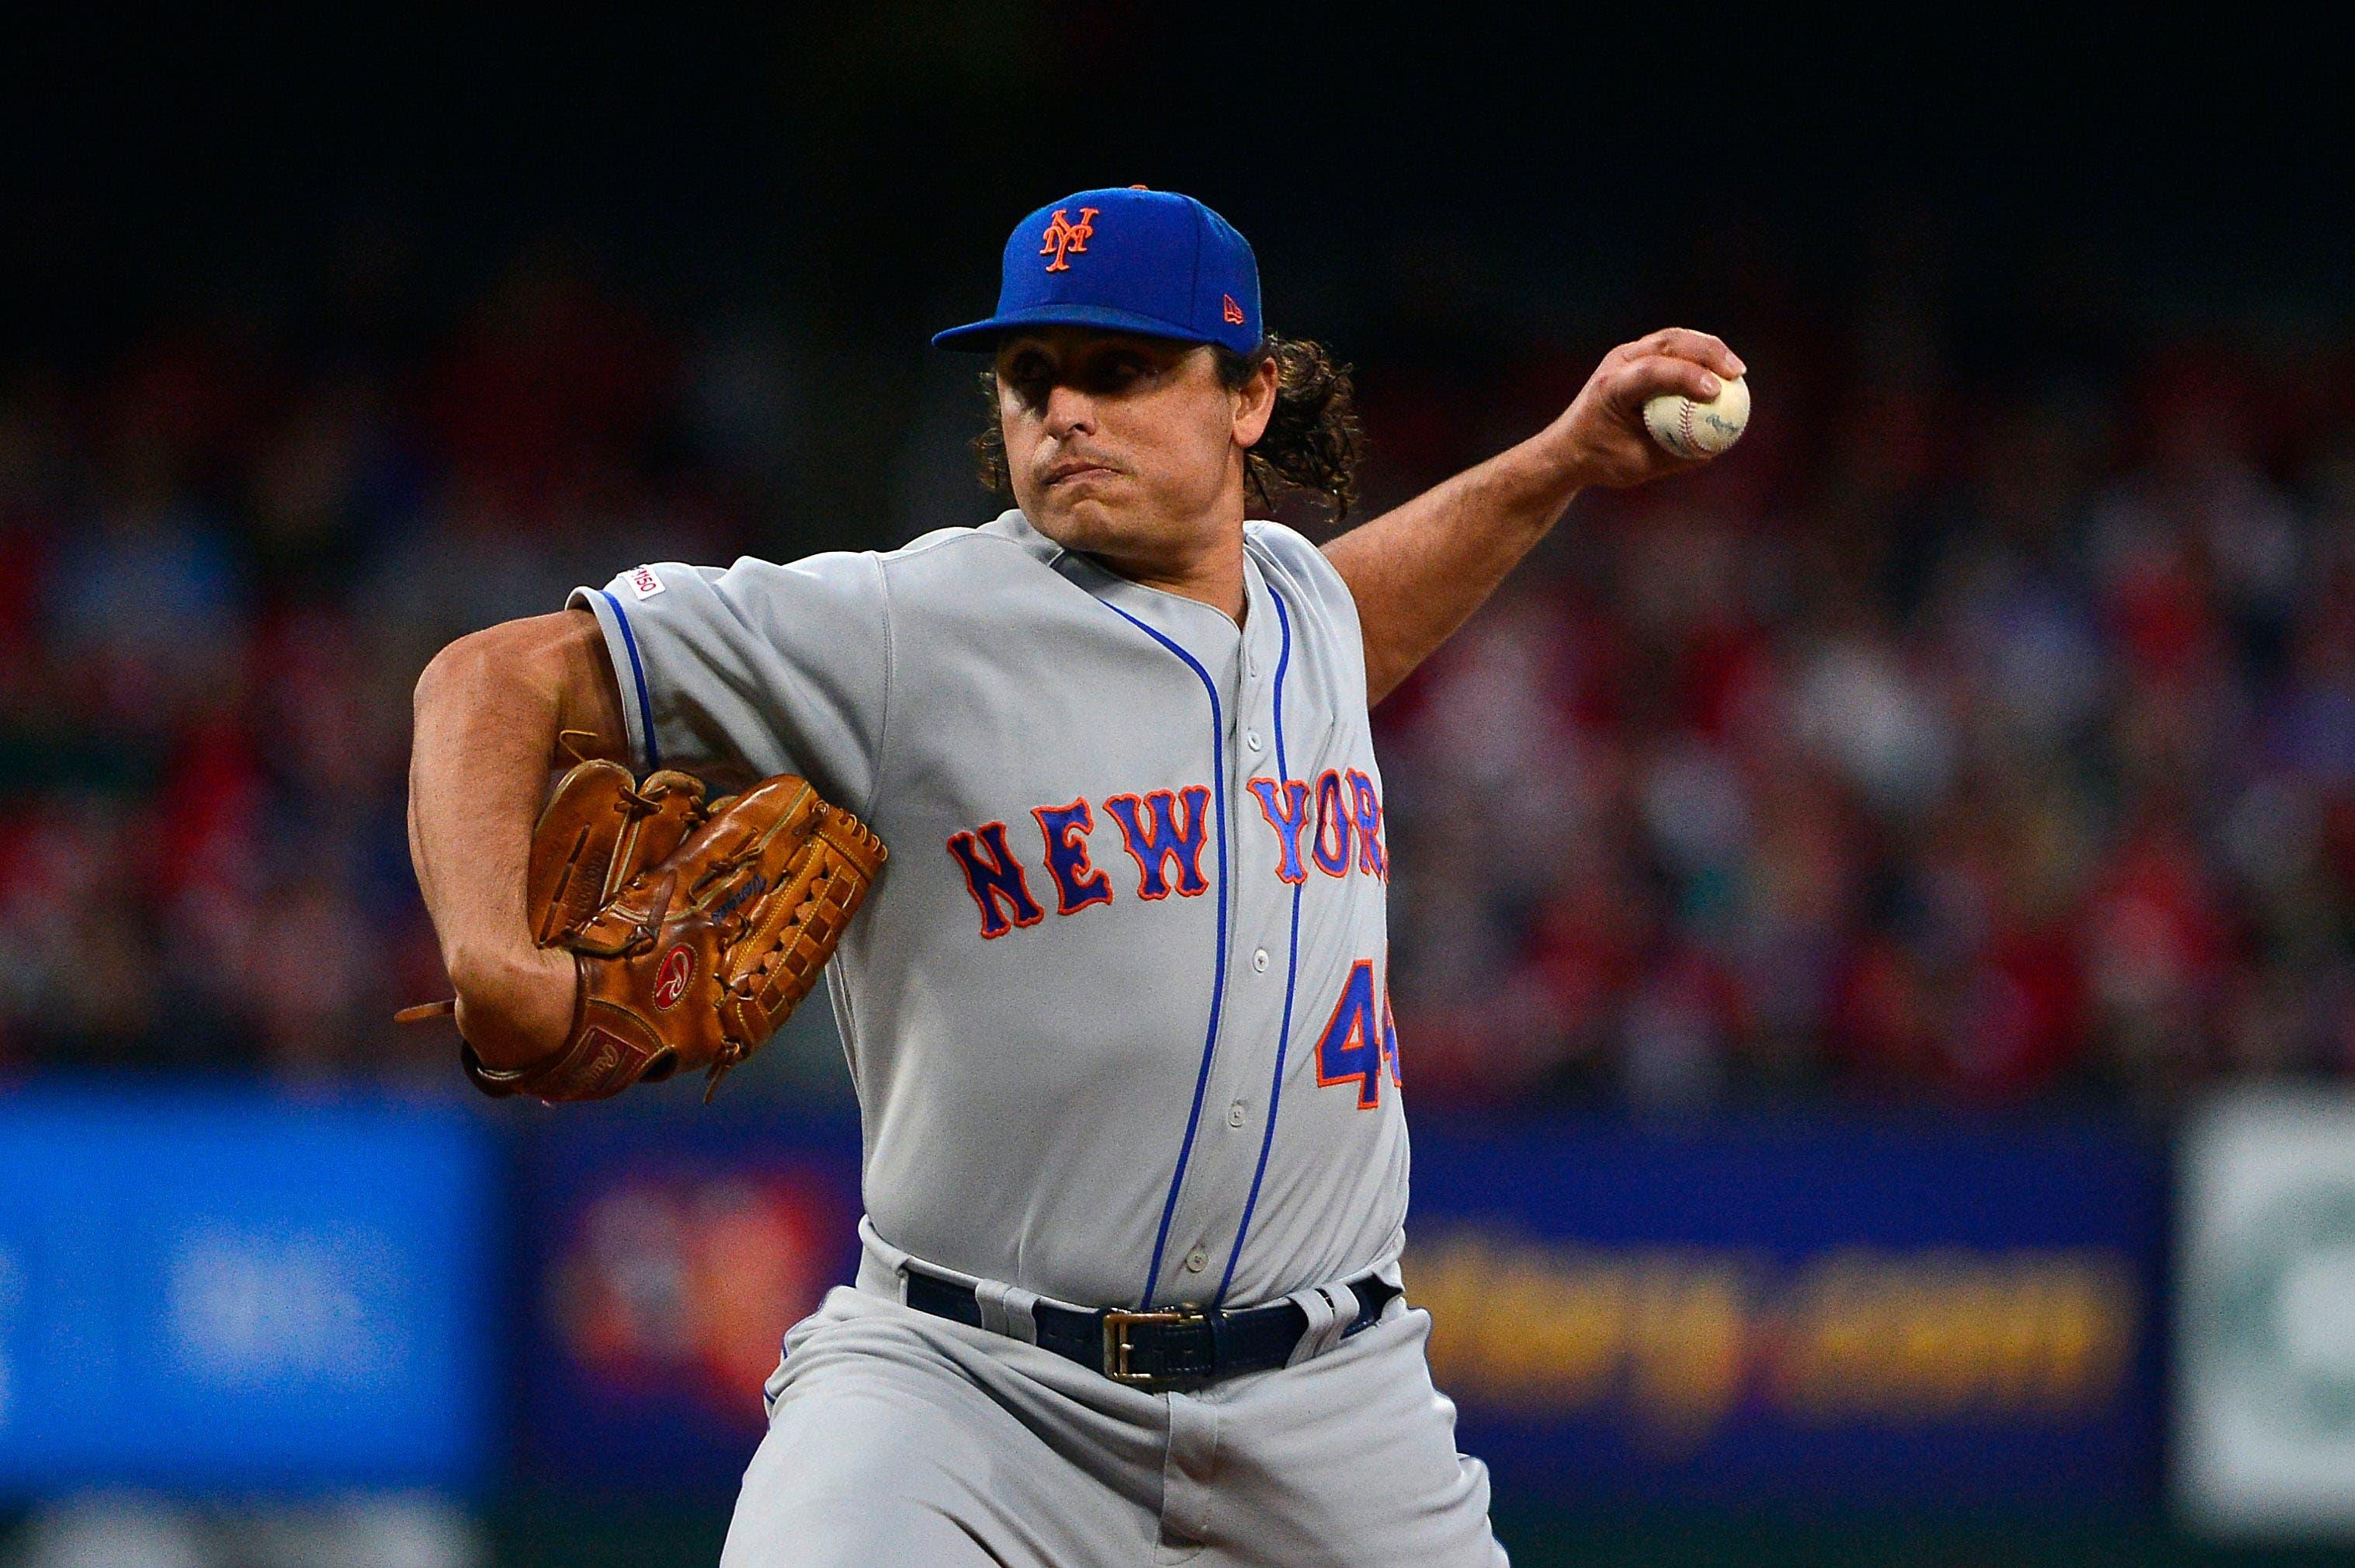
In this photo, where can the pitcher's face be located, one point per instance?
(1124, 447)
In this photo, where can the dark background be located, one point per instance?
(324, 341)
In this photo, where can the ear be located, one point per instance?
(1256, 404)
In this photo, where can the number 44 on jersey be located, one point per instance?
(1360, 1041)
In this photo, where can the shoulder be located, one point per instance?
(1292, 561)
(1319, 610)
(1000, 562)
(1008, 539)
(928, 544)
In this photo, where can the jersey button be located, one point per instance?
(1235, 1114)
(1259, 962)
(1198, 1260)
(1250, 738)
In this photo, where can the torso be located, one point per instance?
(1068, 1063)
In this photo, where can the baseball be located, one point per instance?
(1700, 429)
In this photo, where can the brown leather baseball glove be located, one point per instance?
(696, 929)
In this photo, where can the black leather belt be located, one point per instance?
(1167, 1350)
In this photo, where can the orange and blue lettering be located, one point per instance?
(1155, 828)
(1078, 883)
(1350, 1050)
(1333, 822)
(997, 877)
(1389, 1037)
(1369, 812)
(1284, 804)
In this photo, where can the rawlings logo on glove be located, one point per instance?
(696, 929)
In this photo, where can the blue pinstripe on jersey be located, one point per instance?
(637, 674)
(1218, 972)
(1291, 970)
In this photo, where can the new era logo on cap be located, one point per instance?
(1150, 261)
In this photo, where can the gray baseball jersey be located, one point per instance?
(1116, 1010)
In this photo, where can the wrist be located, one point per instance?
(515, 1005)
(486, 968)
(1535, 481)
(1561, 454)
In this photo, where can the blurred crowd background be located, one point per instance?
(1975, 733)
(1981, 745)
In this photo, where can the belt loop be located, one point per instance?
(1006, 1309)
(1330, 1309)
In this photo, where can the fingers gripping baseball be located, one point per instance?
(1682, 343)
(1660, 375)
(1603, 431)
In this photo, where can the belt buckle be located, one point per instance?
(1118, 1322)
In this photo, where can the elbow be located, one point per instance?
(435, 681)
(454, 668)
(512, 654)
(540, 668)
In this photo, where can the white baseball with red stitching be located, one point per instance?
(1694, 430)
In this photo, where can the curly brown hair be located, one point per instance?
(1311, 444)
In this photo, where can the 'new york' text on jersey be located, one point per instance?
(1117, 1010)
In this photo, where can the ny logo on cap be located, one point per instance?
(1062, 235)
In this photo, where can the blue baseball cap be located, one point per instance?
(1147, 261)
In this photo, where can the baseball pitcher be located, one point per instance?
(1079, 813)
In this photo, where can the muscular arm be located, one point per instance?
(488, 710)
(1419, 571)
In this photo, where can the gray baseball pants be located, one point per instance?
(895, 1437)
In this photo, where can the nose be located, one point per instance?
(1069, 409)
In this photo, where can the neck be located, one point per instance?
(1214, 576)
(1203, 561)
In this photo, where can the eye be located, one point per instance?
(1121, 370)
(1028, 376)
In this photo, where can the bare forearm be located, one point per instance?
(484, 735)
(488, 712)
(1419, 571)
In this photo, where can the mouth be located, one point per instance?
(1079, 469)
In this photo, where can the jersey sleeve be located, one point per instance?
(734, 674)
